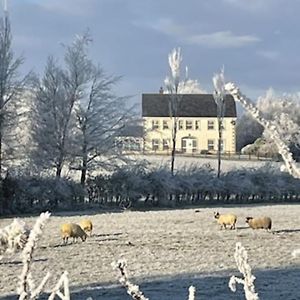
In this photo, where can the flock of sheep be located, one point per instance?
(85, 226)
(254, 223)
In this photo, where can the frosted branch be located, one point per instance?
(26, 284)
(132, 289)
(192, 293)
(13, 237)
(62, 282)
(269, 126)
(241, 258)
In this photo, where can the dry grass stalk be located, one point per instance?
(241, 258)
(132, 289)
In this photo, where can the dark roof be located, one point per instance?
(191, 105)
(131, 131)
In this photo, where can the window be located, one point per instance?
(155, 124)
(194, 143)
(197, 125)
(155, 144)
(165, 124)
(210, 125)
(183, 145)
(188, 125)
(180, 124)
(166, 144)
(210, 145)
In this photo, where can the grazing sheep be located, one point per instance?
(72, 230)
(259, 223)
(224, 220)
(87, 226)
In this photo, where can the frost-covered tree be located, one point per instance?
(176, 87)
(284, 111)
(11, 88)
(172, 86)
(56, 96)
(77, 115)
(51, 119)
(247, 131)
(219, 97)
(100, 116)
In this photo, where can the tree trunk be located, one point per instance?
(174, 135)
(219, 146)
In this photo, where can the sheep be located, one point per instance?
(259, 223)
(228, 219)
(72, 230)
(87, 226)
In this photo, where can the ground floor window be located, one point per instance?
(166, 144)
(210, 145)
(155, 144)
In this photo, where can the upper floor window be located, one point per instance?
(197, 124)
(180, 124)
(210, 125)
(165, 124)
(155, 124)
(189, 125)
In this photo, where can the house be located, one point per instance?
(130, 138)
(197, 124)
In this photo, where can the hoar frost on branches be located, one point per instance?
(270, 127)
(13, 237)
(241, 258)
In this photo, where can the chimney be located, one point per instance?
(161, 90)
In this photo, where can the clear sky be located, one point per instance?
(257, 41)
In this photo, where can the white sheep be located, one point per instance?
(224, 220)
(86, 225)
(259, 223)
(72, 230)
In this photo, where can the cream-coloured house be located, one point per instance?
(197, 124)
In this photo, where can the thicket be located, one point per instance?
(136, 186)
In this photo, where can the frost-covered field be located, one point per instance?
(166, 252)
(185, 161)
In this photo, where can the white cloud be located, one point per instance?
(222, 39)
(268, 54)
(219, 39)
(67, 7)
(251, 5)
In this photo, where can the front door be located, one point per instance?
(189, 145)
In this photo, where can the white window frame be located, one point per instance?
(210, 124)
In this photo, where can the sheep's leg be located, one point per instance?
(224, 226)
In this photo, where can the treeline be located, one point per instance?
(138, 187)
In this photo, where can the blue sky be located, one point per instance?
(257, 41)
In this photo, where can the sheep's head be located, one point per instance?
(248, 219)
(84, 236)
(217, 215)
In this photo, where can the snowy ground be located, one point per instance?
(167, 251)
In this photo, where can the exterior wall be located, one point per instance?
(184, 142)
